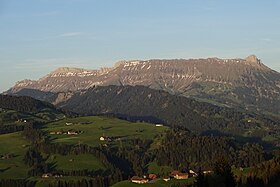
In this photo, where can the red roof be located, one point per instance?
(152, 176)
(175, 172)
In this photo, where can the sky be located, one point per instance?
(38, 36)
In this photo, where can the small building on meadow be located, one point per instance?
(179, 175)
(46, 175)
(193, 172)
(139, 180)
(73, 132)
(174, 173)
(152, 176)
(105, 138)
(166, 179)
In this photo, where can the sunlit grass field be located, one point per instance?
(93, 127)
(15, 144)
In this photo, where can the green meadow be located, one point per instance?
(156, 183)
(93, 127)
(15, 145)
(76, 162)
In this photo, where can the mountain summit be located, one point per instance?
(245, 83)
(252, 58)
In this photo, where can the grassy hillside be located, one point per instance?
(14, 108)
(130, 184)
(153, 167)
(76, 162)
(140, 152)
(93, 127)
(141, 103)
(12, 117)
(156, 183)
(47, 182)
(15, 145)
(15, 121)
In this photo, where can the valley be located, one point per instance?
(108, 150)
(139, 93)
(128, 132)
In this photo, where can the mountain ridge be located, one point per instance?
(245, 83)
(251, 60)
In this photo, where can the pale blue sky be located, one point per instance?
(37, 36)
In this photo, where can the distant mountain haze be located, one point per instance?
(243, 83)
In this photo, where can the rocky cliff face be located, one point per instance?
(63, 79)
(245, 83)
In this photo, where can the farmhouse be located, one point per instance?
(138, 180)
(174, 173)
(46, 175)
(152, 176)
(166, 179)
(193, 172)
(179, 175)
(105, 138)
(73, 132)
